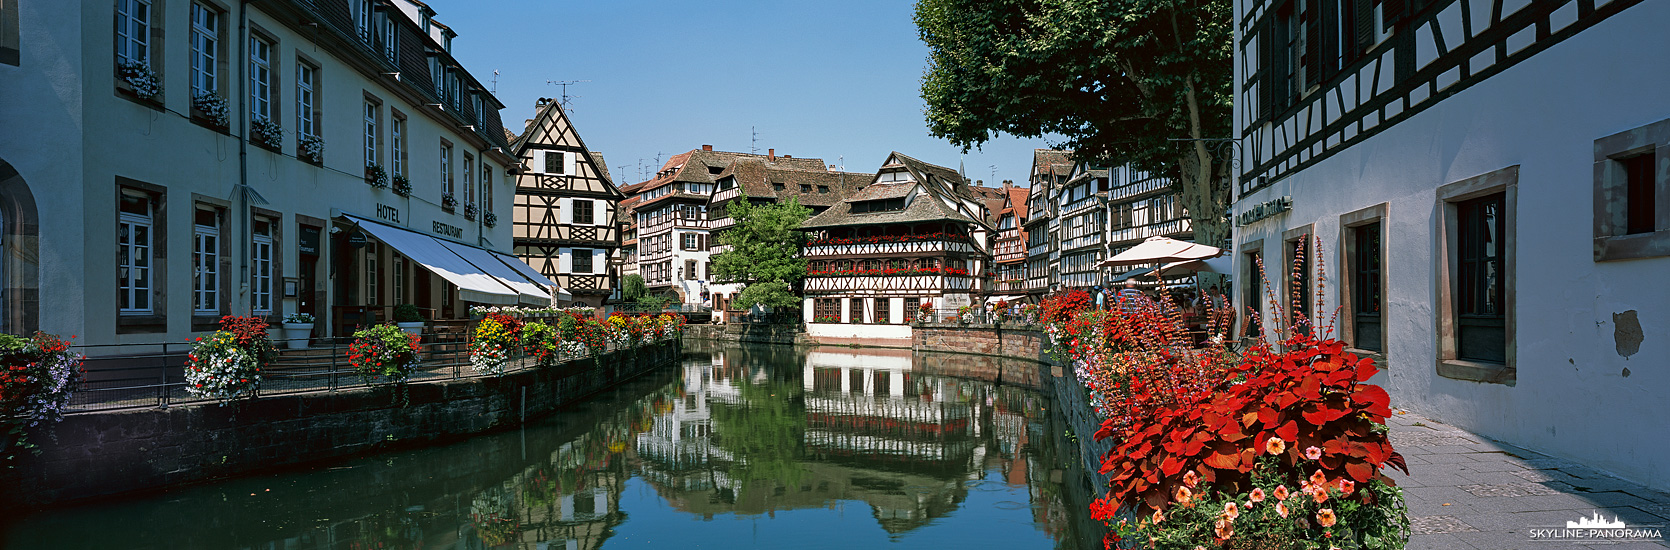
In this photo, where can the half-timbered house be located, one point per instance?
(565, 223)
(1009, 250)
(765, 182)
(1050, 169)
(1410, 139)
(916, 234)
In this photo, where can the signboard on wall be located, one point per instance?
(307, 244)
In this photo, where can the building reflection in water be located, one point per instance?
(738, 431)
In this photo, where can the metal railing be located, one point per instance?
(123, 376)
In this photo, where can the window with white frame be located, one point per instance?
(486, 187)
(397, 146)
(307, 82)
(371, 274)
(476, 99)
(446, 168)
(554, 162)
(260, 78)
(133, 32)
(205, 261)
(205, 44)
(361, 13)
(452, 90)
(399, 264)
(469, 179)
(391, 39)
(438, 72)
(581, 261)
(261, 267)
(133, 253)
(371, 117)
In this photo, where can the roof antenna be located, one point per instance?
(495, 81)
(754, 143)
(564, 84)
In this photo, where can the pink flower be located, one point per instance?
(1345, 485)
(1313, 453)
(1257, 495)
(1281, 492)
(1231, 511)
(1275, 445)
(1281, 509)
(1190, 479)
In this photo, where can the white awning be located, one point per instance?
(533, 275)
(530, 293)
(474, 284)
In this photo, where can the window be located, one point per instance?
(260, 78)
(826, 310)
(689, 241)
(554, 162)
(307, 120)
(397, 146)
(882, 205)
(261, 267)
(884, 310)
(689, 270)
(371, 118)
(777, 185)
(805, 188)
(391, 39)
(823, 188)
(1632, 194)
(438, 71)
(475, 100)
(133, 32)
(446, 168)
(9, 53)
(399, 264)
(583, 214)
(361, 13)
(133, 253)
(912, 306)
(371, 274)
(205, 261)
(855, 312)
(1366, 287)
(1296, 298)
(469, 180)
(1638, 195)
(452, 90)
(205, 44)
(1476, 287)
(486, 187)
(582, 260)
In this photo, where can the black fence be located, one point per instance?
(119, 376)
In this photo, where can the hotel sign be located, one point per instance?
(1264, 210)
(387, 212)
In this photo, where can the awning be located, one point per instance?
(530, 293)
(531, 274)
(474, 284)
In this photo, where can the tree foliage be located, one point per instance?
(632, 288)
(1117, 78)
(764, 252)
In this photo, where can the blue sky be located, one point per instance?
(814, 79)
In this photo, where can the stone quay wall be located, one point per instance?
(1017, 341)
(137, 450)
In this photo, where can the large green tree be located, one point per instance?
(765, 248)
(1120, 80)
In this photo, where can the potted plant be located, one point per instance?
(448, 202)
(311, 149)
(409, 319)
(266, 133)
(297, 328)
(376, 175)
(383, 350)
(402, 185)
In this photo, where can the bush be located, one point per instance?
(37, 376)
(384, 350)
(407, 313)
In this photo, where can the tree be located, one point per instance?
(765, 248)
(1119, 79)
(632, 288)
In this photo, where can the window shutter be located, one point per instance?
(565, 209)
(1392, 11)
(701, 242)
(568, 163)
(565, 260)
(599, 261)
(1362, 13)
(1266, 67)
(1312, 60)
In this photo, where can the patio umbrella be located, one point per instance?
(1159, 250)
(1219, 264)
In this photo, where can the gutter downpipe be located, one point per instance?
(243, 155)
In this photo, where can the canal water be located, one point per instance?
(736, 447)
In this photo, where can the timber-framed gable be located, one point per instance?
(566, 224)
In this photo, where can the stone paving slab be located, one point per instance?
(1467, 492)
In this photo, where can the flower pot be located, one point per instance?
(296, 334)
(414, 328)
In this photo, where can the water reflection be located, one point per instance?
(737, 447)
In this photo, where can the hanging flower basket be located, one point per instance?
(37, 375)
(226, 364)
(384, 350)
(376, 175)
(449, 202)
(469, 212)
(495, 338)
(489, 219)
(266, 133)
(311, 149)
(402, 185)
(213, 108)
(141, 79)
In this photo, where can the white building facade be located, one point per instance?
(1450, 158)
(168, 163)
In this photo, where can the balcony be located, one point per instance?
(916, 283)
(1092, 239)
(1139, 188)
(1140, 232)
(1012, 285)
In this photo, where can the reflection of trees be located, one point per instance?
(763, 432)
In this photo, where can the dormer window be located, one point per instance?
(715, 170)
(880, 205)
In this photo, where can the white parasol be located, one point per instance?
(1159, 250)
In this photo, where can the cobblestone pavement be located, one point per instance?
(1470, 492)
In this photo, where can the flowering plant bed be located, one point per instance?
(541, 341)
(582, 335)
(383, 350)
(376, 176)
(402, 185)
(671, 325)
(141, 79)
(226, 364)
(311, 149)
(213, 107)
(470, 211)
(489, 219)
(37, 376)
(925, 312)
(888, 272)
(449, 202)
(266, 133)
(827, 319)
(495, 338)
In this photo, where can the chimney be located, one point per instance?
(788, 156)
(707, 147)
(771, 155)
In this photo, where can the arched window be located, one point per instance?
(868, 265)
(816, 266)
(843, 265)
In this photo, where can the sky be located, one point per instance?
(833, 80)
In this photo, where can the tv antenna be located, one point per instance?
(994, 172)
(495, 81)
(754, 142)
(564, 84)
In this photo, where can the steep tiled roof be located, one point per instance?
(703, 166)
(597, 160)
(756, 177)
(1052, 161)
(932, 202)
(924, 208)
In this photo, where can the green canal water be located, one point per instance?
(736, 447)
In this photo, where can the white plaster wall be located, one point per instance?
(1571, 398)
(880, 332)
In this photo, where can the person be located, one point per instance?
(1129, 295)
